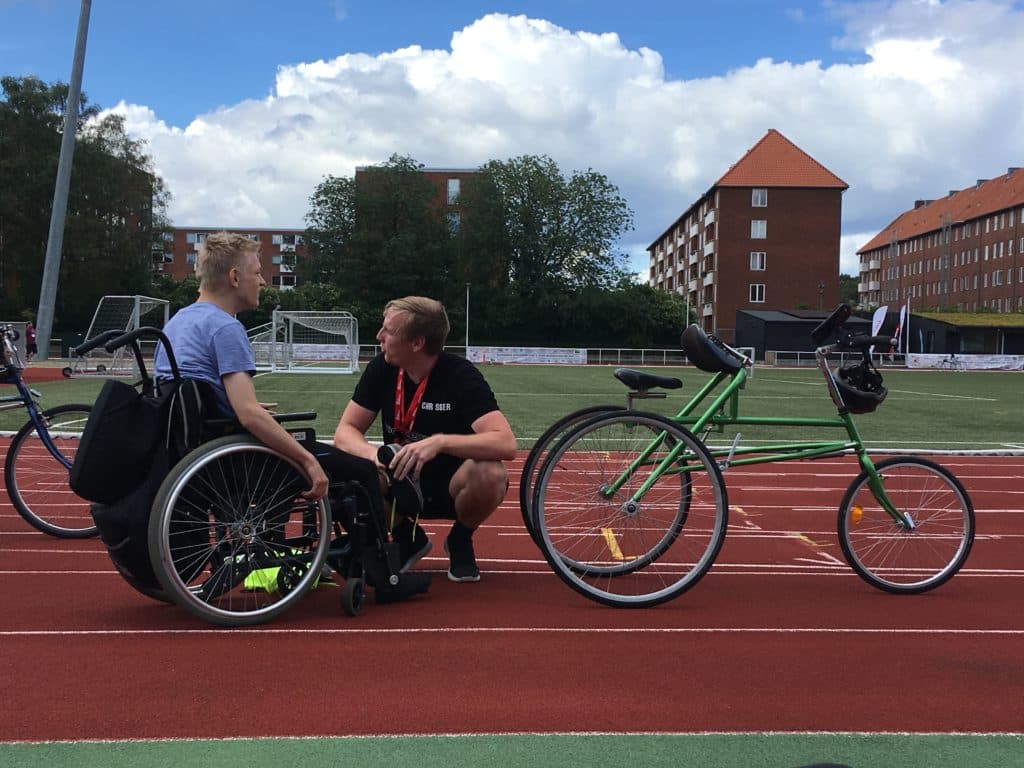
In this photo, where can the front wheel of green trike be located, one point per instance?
(923, 548)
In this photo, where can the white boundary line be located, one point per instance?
(371, 631)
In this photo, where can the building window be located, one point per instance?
(759, 198)
(758, 229)
(191, 258)
(757, 293)
(276, 259)
(454, 220)
(757, 261)
(168, 258)
(453, 190)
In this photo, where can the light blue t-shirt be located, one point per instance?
(208, 343)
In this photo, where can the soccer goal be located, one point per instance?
(121, 313)
(307, 342)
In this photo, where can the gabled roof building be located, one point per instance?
(964, 251)
(765, 236)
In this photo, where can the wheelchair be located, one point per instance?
(220, 520)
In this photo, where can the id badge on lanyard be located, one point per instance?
(406, 417)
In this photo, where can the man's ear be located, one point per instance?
(419, 343)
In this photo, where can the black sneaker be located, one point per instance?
(413, 543)
(406, 492)
(463, 560)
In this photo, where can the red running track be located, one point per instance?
(780, 636)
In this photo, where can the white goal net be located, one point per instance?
(307, 342)
(120, 313)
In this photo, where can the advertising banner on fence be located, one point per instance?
(966, 362)
(526, 355)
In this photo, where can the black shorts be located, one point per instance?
(435, 478)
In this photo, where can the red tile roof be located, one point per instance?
(985, 197)
(775, 161)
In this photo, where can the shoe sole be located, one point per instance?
(459, 579)
(416, 557)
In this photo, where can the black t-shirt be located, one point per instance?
(456, 395)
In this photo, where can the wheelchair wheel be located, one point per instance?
(226, 521)
(535, 460)
(352, 596)
(616, 530)
(37, 482)
(895, 557)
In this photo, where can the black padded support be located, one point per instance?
(642, 381)
(705, 354)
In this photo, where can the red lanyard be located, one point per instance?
(404, 418)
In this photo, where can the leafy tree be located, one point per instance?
(378, 236)
(848, 290)
(116, 204)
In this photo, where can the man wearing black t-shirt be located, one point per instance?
(449, 436)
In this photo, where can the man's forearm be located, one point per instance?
(350, 440)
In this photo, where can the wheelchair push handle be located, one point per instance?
(90, 344)
(132, 337)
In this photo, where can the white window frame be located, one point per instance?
(758, 261)
(756, 293)
(758, 232)
(759, 197)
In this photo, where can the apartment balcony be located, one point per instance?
(862, 288)
(692, 285)
(874, 285)
(710, 218)
(708, 309)
(693, 230)
(874, 264)
(287, 248)
(709, 247)
(692, 259)
(709, 278)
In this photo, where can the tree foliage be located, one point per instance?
(116, 204)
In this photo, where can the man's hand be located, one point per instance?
(317, 479)
(412, 456)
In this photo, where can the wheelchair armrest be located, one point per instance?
(221, 424)
(295, 416)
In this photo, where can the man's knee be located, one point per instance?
(481, 477)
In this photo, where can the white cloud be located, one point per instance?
(934, 107)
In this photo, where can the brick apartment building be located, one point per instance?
(278, 250)
(964, 251)
(765, 236)
(448, 185)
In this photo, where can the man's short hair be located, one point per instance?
(221, 252)
(424, 317)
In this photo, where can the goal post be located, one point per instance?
(119, 313)
(307, 342)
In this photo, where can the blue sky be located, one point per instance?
(247, 105)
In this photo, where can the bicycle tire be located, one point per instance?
(226, 518)
(891, 557)
(534, 460)
(37, 482)
(619, 549)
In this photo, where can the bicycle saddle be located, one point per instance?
(705, 352)
(642, 381)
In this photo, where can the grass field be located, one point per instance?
(926, 410)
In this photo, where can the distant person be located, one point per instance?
(449, 438)
(31, 348)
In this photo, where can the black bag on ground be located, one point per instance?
(117, 443)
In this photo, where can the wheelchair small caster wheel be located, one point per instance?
(352, 595)
(66, 372)
(288, 578)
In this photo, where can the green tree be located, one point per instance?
(532, 237)
(378, 236)
(848, 290)
(116, 204)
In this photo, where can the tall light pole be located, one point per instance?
(55, 240)
(467, 321)
(821, 293)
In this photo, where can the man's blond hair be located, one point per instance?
(423, 317)
(221, 252)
